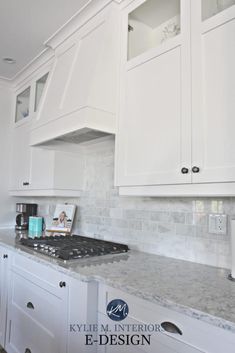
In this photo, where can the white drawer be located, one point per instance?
(39, 273)
(159, 343)
(195, 333)
(37, 303)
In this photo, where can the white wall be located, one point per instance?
(7, 203)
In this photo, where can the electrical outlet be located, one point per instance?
(218, 223)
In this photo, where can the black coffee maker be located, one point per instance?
(24, 210)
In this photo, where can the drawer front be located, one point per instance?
(195, 333)
(37, 303)
(27, 336)
(39, 273)
(159, 342)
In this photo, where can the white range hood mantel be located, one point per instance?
(79, 100)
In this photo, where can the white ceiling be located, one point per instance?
(26, 24)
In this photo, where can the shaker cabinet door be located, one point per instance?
(150, 127)
(20, 158)
(154, 133)
(213, 74)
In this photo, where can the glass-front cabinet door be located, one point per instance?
(151, 24)
(22, 105)
(212, 7)
(155, 94)
(40, 84)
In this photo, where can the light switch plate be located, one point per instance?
(218, 223)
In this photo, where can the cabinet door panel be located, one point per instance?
(213, 112)
(20, 159)
(150, 150)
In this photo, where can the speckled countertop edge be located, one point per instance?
(65, 268)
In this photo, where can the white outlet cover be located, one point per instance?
(218, 223)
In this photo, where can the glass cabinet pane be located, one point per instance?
(40, 84)
(212, 7)
(22, 105)
(151, 24)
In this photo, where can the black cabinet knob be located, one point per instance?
(30, 305)
(5, 256)
(184, 170)
(170, 327)
(27, 350)
(195, 169)
(25, 183)
(62, 284)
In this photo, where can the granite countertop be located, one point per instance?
(196, 290)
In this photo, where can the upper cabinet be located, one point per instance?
(82, 88)
(176, 121)
(154, 131)
(213, 90)
(36, 171)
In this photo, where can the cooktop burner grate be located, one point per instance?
(73, 247)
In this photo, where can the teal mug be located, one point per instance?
(35, 227)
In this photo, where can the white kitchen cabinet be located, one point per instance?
(175, 134)
(47, 173)
(42, 172)
(154, 130)
(196, 336)
(37, 309)
(20, 157)
(42, 304)
(82, 87)
(213, 91)
(4, 278)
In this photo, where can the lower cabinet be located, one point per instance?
(43, 303)
(5, 257)
(174, 332)
(37, 316)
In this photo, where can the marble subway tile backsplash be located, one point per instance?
(175, 227)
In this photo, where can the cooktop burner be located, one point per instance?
(73, 247)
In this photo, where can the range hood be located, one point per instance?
(79, 101)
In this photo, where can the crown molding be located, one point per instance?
(78, 20)
(42, 59)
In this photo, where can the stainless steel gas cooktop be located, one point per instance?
(73, 247)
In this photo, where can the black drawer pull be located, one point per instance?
(25, 183)
(62, 284)
(5, 256)
(30, 305)
(170, 327)
(184, 170)
(27, 350)
(195, 169)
